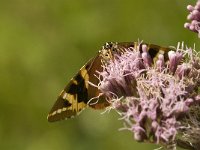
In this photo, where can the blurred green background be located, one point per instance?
(42, 45)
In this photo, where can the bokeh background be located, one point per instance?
(43, 44)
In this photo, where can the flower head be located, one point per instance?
(155, 99)
(194, 17)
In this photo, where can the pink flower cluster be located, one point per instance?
(194, 17)
(152, 96)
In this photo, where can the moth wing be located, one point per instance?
(76, 95)
(62, 108)
(95, 99)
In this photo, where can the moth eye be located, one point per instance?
(108, 45)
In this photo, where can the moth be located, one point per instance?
(77, 94)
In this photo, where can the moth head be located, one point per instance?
(108, 50)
